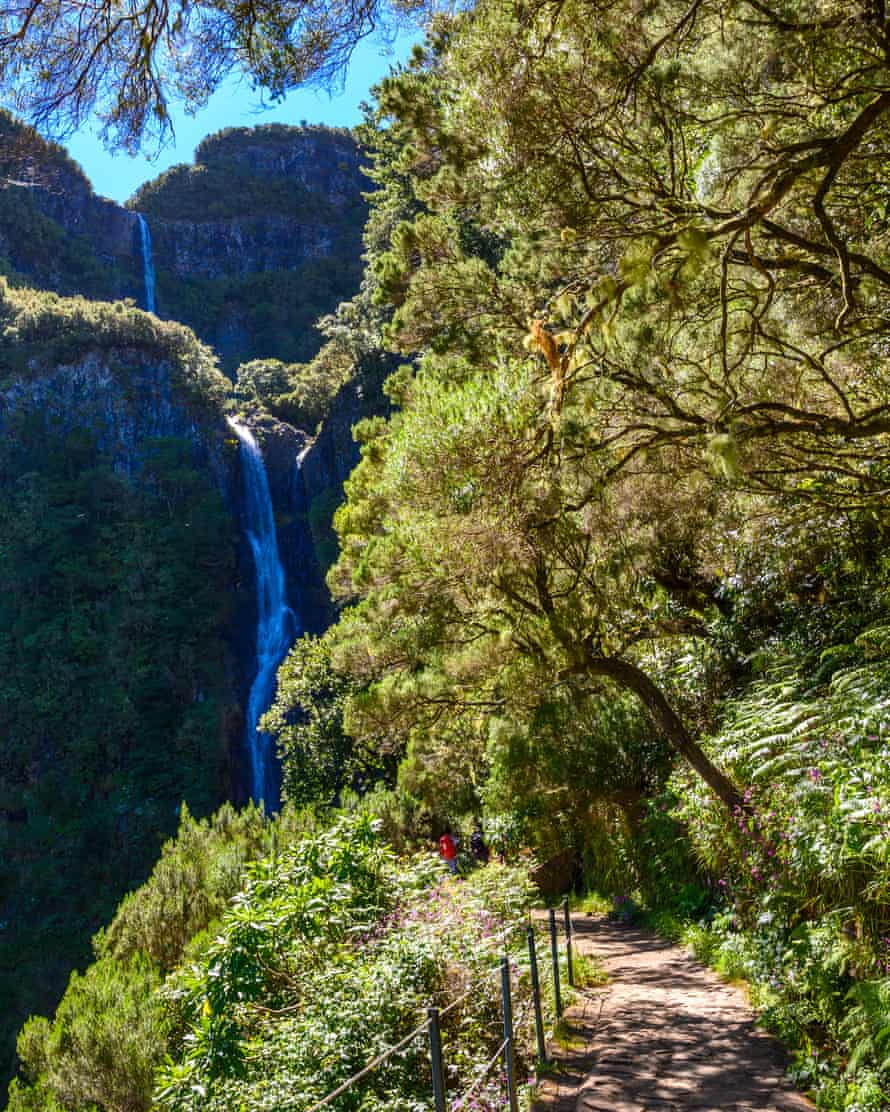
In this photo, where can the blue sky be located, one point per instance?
(235, 105)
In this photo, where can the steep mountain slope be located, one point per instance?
(260, 237)
(127, 615)
(251, 244)
(118, 690)
(55, 232)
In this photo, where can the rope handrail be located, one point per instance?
(393, 1050)
(480, 1076)
(490, 944)
(459, 1000)
(372, 1065)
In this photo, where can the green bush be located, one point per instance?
(321, 953)
(299, 393)
(105, 1043)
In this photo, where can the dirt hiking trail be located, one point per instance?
(664, 1034)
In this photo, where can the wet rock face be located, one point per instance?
(237, 247)
(124, 398)
(284, 449)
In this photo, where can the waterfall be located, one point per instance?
(148, 266)
(276, 623)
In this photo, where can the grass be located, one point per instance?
(591, 903)
(589, 971)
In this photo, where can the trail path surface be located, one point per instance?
(664, 1035)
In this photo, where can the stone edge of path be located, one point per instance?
(641, 965)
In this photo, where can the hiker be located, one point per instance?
(478, 846)
(448, 850)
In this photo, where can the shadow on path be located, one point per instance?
(664, 1034)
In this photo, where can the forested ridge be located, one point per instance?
(612, 574)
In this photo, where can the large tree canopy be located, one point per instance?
(62, 61)
(696, 201)
(647, 273)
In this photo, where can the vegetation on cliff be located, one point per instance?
(41, 331)
(308, 180)
(38, 180)
(326, 955)
(114, 616)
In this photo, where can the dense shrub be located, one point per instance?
(328, 954)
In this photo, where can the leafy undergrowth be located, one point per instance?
(332, 954)
(799, 906)
(329, 954)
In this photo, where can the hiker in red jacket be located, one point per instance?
(448, 850)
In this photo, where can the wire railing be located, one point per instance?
(369, 1068)
(506, 1050)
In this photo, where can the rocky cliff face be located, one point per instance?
(119, 688)
(236, 247)
(258, 238)
(54, 231)
(251, 243)
(257, 200)
(127, 612)
(124, 397)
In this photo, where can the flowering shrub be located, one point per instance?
(329, 957)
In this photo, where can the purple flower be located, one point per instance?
(815, 775)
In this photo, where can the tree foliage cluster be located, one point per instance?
(107, 1036)
(637, 256)
(298, 393)
(60, 64)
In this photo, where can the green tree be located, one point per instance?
(319, 757)
(638, 343)
(104, 1045)
(59, 64)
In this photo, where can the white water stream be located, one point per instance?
(276, 622)
(148, 266)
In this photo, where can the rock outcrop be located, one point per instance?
(124, 397)
(251, 243)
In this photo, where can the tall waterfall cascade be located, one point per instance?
(148, 266)
(276, 623)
